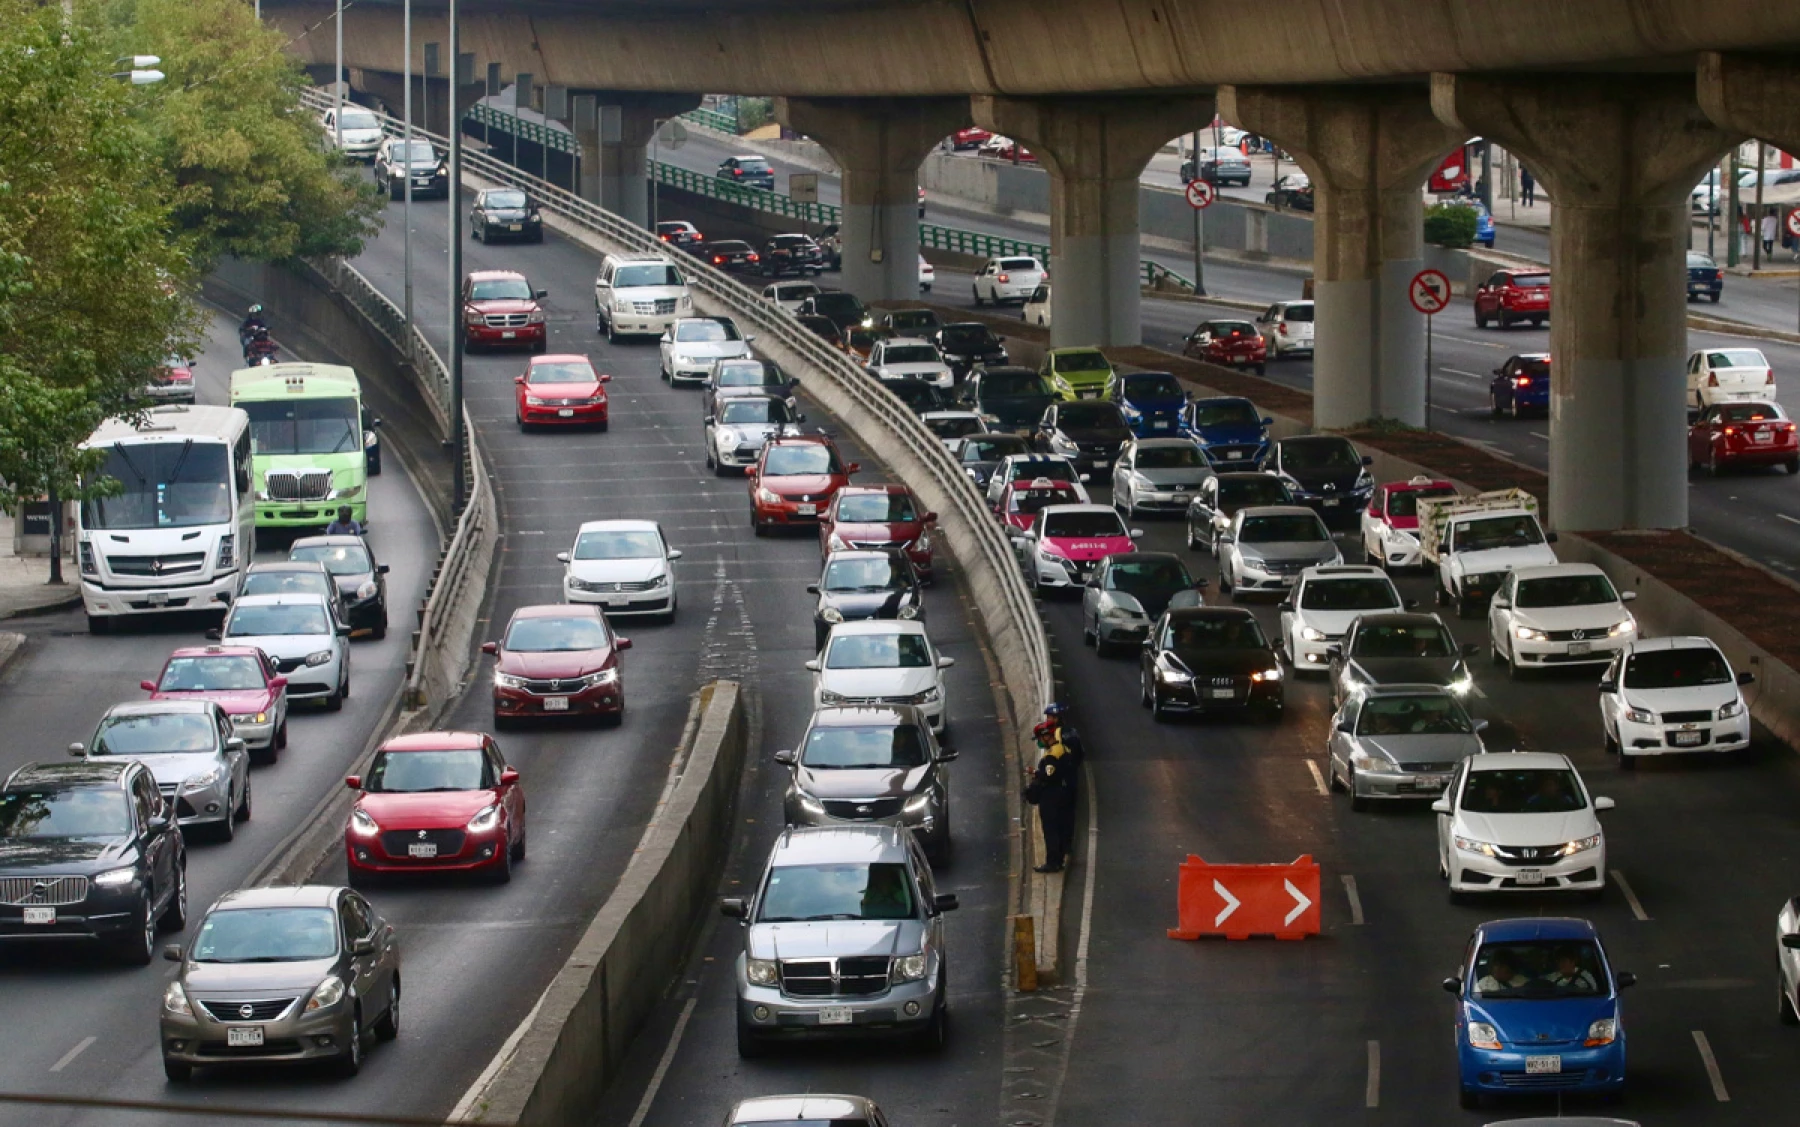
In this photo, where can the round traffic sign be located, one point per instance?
(1429, 292)
(1199, 194)
(1793, 222)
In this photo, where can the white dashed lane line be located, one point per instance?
(1712, 1067)
(1356, 911)
(1318, 778)
(1631, 898)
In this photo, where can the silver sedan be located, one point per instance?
(202, 769)
(1399, 742)
(1158, 475)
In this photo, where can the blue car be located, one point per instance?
(1229, 432)
(1521, 386)
(1538, 1011)
(1150, 401)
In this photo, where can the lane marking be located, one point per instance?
(1637, 906)
(80, 1047)
(1790, 520)
(1318, 779)
(1460, 372)
(1539, 434)
(1712, 1067)
(1356, 912)
(1372, 1093)
(1476, 689)
(662, 1066)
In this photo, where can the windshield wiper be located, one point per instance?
(187, 447)
(119, 449)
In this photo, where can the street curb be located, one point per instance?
(1738, 328)
(60, 603)
(11, 645)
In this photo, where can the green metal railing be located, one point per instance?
(712, 187)
(1160, 277)
(712, 119)
(556, 140)
(957, 240)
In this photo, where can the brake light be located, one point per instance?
(1522, 381)
(1787, 428)
(1003, 278)
(1770, 378)
(737, 172)
(752, 256)
(182, 376)
(1712, 379)
(717, 259)
(1730, 430)
(664, 238)
(1281, 326)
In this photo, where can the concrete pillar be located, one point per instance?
(878, 144)
(613, 130)
(1619, 155)
(1368, 150)
(1094, 148)
(1756, 95)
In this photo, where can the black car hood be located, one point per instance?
(867, 782)
(347, 584)
(1098, 434)
(1222, 663)
(26, 856)
(1314, 480)
(1410, 670)
(872, 604)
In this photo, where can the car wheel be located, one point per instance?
(1493, 405)
(335, 702)
(749, 1045)
(520, 847)
(1144, 690)
(280, 736)
(975, 291)
(1159, 712)
(99, 624)
(375, 466)
(1357, 801)
(138, 945)
(611, 337)
(1715, 298)
(1792, 465)
(1193, 542)
(243, 810)
(1332, 781)
(1495, 652)
(1513, 670)
(387, 1027)
(350, 1062)
(226, 828)
(1627, 762)
(1470, 1099)
(175, 916)
(379, 631)
(936, 1033)
(1784, 1004)
(1480, 318)
(1261, 368)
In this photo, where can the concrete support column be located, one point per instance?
(613, 130)
(1368, 150)
(1619, 155)
(878, 144)
(1755, 95)
(1094, 148)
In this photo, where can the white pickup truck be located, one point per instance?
(1473, 542)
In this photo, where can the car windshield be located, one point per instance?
(879, 651)
(162, 485)
(689, 332)
(1372, 593)
(266, 935)
(910, 354)
(304, 426)
(913, 319)
(339, 559)
(843, 304)
(1283, 528)
(1412, 716)
(1209, 633)
(1737, 358)
(1226, 413)
(1748, 412)
(652, 274)
(1533, 370)
(754, 410)
(899, 745)
(1329, 454)
(1050, 469)
(1405, 502)
(288, 583)
(1011, 383)
(729, 246)
(1533, 790)
(224, 673)
(1404, 639)
(500, 289)
(358, 120)
(415, 772)
(1091, 413)
(795, 291)
(856, 891)
(954, 426)
(1492, 533)
(967, 338)
(1540, 968)
(800, 459)
(155, 734)
(1565, 591)
(862, 340)
(417, 152)
(747, 373)
(1677, 669)
(1183, 457)
(1246, 491)
(1019, 264)
(256, 620)
(1531, 279)
(48, 812)
(506, 198)
(1085, 524)
(555, 635)
(1148, 578)
(1155, 386)
(1696, 260)
(876, 508)
(866, 575)
(753, 164)
(1086, 360)
(617, 544)
(993, 449)
(562, 371)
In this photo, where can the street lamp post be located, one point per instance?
(458, 490)
(406, 208)
(337, 84)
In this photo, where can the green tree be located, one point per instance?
(1450, 225)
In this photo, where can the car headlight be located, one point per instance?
(485, 819)
(1251, 563)
(659, 581)
(1130, 412)
(687, 301)
(909, 968)
(604, 677)
(1312, 634)
(1171, 672)
(762, 972)
(809, 804)
(923, 543)
(621, 305)
(1462, 685)
(1731, 708)
(1602, 1032)
(728, 437)
(929, 696)
(318, 657)
(1364, 761)
(579, 584)
(202, 781)
(534, 401)
(1579, 845)
(507, 681)
(175, 1000)
(835, 543)
(367, 590)
(535, 317)
(1470, 845)
(1626, 625)
(918, 803)
(362, 823)
(768, 496)
(826, 696)
(344, 494)
(1048, 556)
(1529, 634)
(909, 611)
(326, 995)
(1640, 716)
(1363, 482)
(1483, 1036)
(831, 614)
(1273, 673)
(116, 878)
(250, 718)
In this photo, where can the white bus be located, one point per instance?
(182, 525)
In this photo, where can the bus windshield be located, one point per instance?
(163, 485)
(304, 426)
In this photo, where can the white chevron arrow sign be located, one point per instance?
(1231, 903)
(1301, 903)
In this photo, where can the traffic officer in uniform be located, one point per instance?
(1052, 788)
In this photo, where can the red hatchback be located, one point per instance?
(1234, 344)
(560, 390)
(1509, 296)
(436, 802)
(1734, 435)
(878, 516)
(242, 681)
(795, 479)
(558, 660)
(501, 309)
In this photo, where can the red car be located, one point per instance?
(1733, 435)
(501, 309)
(878, 516)
(242, 681)
(795, 479)
(436, 802)
(562, 389)
(173, 383)
(969, 138)
(558, 660)
(1021, 500)
(1513, 295)
(1233, 344)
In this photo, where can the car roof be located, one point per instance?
(436, 741)
(1072, 351)
(646, 256)
(1550, 571)
(888, 488)
(620, 524)
(1141, 557)
(1160, 443)
(799, 439)
(1058, 510)
(865, 715)
(1342, 571)
(561, 358)
(279, 896)
(74, 773)
(1225, 399)
(1529, 356)
(172, 707)
(878, 626)
(225, 650)
(1676, 642)
(1275, 511)
(870, 844)
(338, 540)
(821, 1106)
(1519, 761)
(952, 415)
(1314, 440)
(282, 599)
(1191, 614)
(863, 554)
(1411, 690)
(1538, 927)
(1034, 459)
(288, 565)
(909, 340)
(558, 610)
(1398, 618)
(494, 275)
(1412, 484)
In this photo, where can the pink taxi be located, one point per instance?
(1065, 543)
(1390, 525)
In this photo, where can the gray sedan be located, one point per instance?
(1399, 741)
(1158, 475)
(202, 769)
(1267, 547)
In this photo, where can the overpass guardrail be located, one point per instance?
(712, 119)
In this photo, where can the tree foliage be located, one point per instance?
(1450, 225)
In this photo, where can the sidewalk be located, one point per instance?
(24, 582)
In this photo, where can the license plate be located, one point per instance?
(565, 413)
(835, 1015)
(1530, 876)
(508, 335)
(1687, 739)
(243, 1036)
(556, 704)
(1763, 436)
(1159, 426)
(157, 598)
(1234, 456)
(1100, 465)
(40, 915)
(512, 227)
(422, 182)
(1331, 502)
(1537, 1066)
(1580, 648)
(1221, 694)
(1430, 782)
(422, 849)
(806, 510)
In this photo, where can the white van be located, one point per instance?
(639, 295)
(1036, 310)
(1729, 375)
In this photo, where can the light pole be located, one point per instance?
(337, 84)
(454, 130)
(406, 133)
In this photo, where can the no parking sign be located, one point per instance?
(1429, 292)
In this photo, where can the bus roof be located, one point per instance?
(174, 423)
(278, 381)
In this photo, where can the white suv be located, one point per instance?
(639, 295)
(1001, 280)
(882, 661)
(906, 358)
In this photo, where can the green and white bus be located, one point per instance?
(306, 442)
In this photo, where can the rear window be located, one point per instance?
(1531, 279)
(1083, 524)
(1088, 360)
(1018, 264)
(1303, 312)
(1749, 412)
(1405, 502)
(1737, 358)
(753, 164)
(1012, 383)
(911, 354)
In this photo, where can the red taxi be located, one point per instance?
(969, 137)
(878, 516)
(558, 660)
(437, 802)
(239, 679)
(1743, 435)
(795, 479)
(1390, 525)
(1022, 500)
(1509, 296)
(1233, 344)
(501, 309)
(561, 389)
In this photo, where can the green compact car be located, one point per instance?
(1077, 373)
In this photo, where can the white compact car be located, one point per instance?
(1036, 310)
(359, 130)
(789, 295)
(881, 661)
(625, 566)
(951, 427)
(1664, 696)
(909, 358)
(1324, 604)
(1007, 279)
(1729, 375)
(927, 275)
(691, 344)
(639, 295)
(301, 637)
(1031, 467)
(1567, 614)
(1787, 960)
(1288, 327)
(1520, 822)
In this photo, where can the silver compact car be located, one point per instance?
(1399, 741)
(1267, 548)
(844, 937)
(202, 769)
(282, 975)
(814, 1107)
(741, 425)
(863, 765)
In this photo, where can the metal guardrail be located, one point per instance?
(713, 119)
(957, 240)
(556, 140)
(1160, 277)
(712, 187)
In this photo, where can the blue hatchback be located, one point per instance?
(1150, 401)
(1538, 1011)
(1521, 385)
(1229, 431)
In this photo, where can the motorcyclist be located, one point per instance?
(259, 346)
(253, 320)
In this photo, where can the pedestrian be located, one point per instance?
(1770, 228)
(344, 525)
(1052, 790)
(1527, 187)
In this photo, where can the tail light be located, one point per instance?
(1730, 430)
(664, 238)
(1521, 381)
(1770, 378)
(1281, 327)
(1004, 278)
(1712, 379)
(752, 256)
(737, 172)
(1787, 428)
(182, 375)
(718, 259)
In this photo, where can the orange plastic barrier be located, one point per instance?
(1241, 901)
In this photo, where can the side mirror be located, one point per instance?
(674, 553)
(1601, 802)
(929, 518)
(800, 416)
(1286, 604)
(605, 377)
(1453, 985)
(1441, 806)
(147, 686)
(77, 751)
(375, 423)
(363, 946)
(621, 642)
(1469, 649)
(1479, 725)
(812, 588)
(1627, 596)
(490, 647)
(1345, 726)
(944, 902)
(1368, 461)
(1334, 651)
(278, 683)
(811, 664)
(853, 467)
(945, 662)
(352, 782)
(214, 634)
(733, 907)
(172, 953)
(664, 339)
(236, 743)
(381, 569)
(159, 824)
(540, 294)
(520, 380)
(946, 754)
(1549, 537)
(1608, 686)
(1746, 678)
(1094, 582)
(343, 631)
(562, 557)
(1500, 602)
(1200, 584)
(1268, 420)
(1410, 603)
(1791, 942)
(1135, 533)
(1625, 978)
(786, 756)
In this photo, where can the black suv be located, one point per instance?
(505, 213)
(844, 309)
(90, 851)
(396, 161)
(792, 254)
(361, 582)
